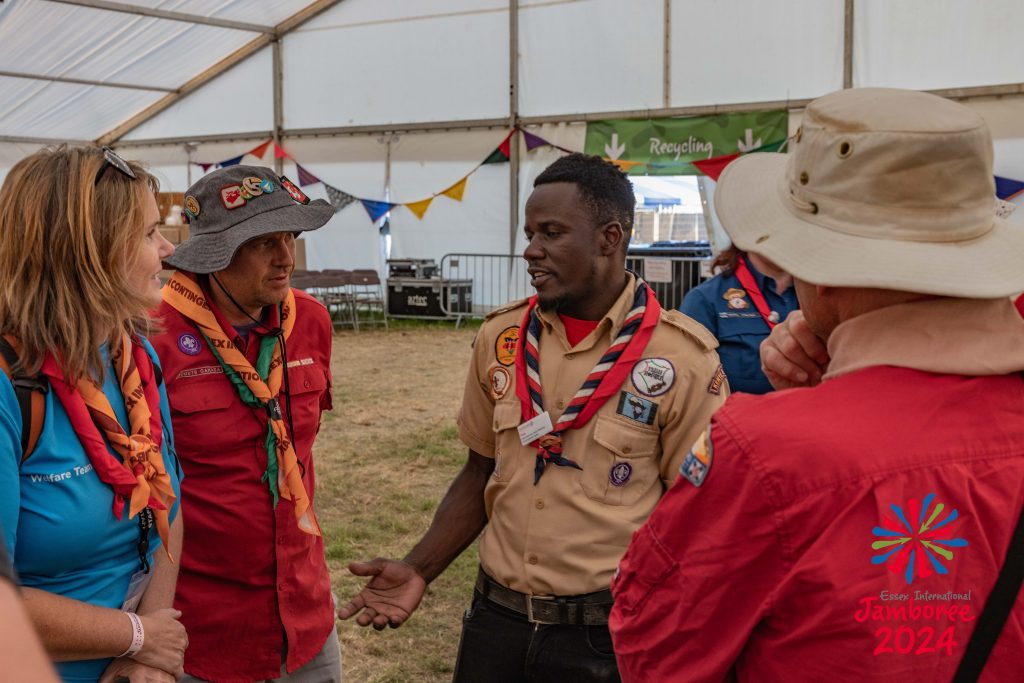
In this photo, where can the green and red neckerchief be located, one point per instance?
(602, 382)
(258, 387)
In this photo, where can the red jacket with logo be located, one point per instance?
(792, 559)
(249, 577)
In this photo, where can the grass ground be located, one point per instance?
(385, 456)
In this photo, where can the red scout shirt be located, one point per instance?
(250, 581)
(765, 571)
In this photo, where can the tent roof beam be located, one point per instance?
(286, 26)
(137, 10)
(83, 81)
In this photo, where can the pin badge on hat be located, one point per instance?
(293, 190)
(192, 206)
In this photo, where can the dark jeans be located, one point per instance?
(501, 646)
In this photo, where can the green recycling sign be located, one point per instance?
(667, 146)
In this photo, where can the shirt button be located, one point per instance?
(570, 356)
(540, 504)
(560, 404)
(280, 587)
(627, 450)
(306, 384)
(532, 559)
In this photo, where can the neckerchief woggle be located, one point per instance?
(140, 477)
(746, 279)
(602, 382)
(258, 387)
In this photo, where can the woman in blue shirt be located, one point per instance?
(89, 511)
(740, 306)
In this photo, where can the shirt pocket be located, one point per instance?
(620, 466)
(203, 416)
(302, 395)
(508, 449)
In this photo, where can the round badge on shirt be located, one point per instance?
(189, 343)
(653, 376)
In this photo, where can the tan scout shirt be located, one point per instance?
(565, 535)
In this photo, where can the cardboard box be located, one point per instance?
(300, 254)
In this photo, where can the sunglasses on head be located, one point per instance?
(110, 158)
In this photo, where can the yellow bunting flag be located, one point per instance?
(419, 208)
(456, 190)
(623, 164)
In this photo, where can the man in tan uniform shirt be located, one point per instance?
(560, 509)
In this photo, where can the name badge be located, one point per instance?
(531, 430)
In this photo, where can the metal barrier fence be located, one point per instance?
(495, 279)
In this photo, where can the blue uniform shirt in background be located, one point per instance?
(722, 305)
(56, 515)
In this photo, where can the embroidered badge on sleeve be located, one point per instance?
(697, 463)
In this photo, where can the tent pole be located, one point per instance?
(848, 44)
(666, 65)
(513, 115)
(278, 104)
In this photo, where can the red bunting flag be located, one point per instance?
(260, 150)
(714, 166)
(279, 152)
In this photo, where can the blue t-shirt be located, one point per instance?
(722, 305)
(56, 515)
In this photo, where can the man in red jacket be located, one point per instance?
(853, 531)
(246, 359)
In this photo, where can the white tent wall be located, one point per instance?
(752, 51)
(937, 44)
(428, 163)
(355, 165)
(239, 100)
(397, 62)
(599, 55)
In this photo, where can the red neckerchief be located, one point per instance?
(602, 382)
(746, 279)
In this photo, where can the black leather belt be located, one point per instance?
(591, 609)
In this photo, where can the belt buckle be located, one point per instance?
(529, 610)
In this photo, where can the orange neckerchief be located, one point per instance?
(185, 295)
(140, 476)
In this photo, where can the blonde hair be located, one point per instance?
(66, 244)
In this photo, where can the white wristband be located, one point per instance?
(138, 635)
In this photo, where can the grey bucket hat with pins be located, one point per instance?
(229, 207)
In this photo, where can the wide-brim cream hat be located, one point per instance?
(882, 188)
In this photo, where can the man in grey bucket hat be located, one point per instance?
(854, 530)
(246, 360)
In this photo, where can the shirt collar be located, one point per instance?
(945, 335)
(610, 323)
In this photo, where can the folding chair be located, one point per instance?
(368, 293)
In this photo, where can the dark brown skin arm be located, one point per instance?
(396, 587)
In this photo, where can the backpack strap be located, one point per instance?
(30, 392)
(997, 610)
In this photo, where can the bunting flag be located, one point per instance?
(338, 199)
(305, 177)
(502, 152)
(231, 162)
(376, 209)
(456, 190)
(205, 167)
(533, 141)
(1008, 188)
(624, 165)
(260, 150)
(714, 166)
(419, 208)
(279, 153)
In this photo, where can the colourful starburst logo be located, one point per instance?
(915, 549)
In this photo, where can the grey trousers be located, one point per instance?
(324, 668)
